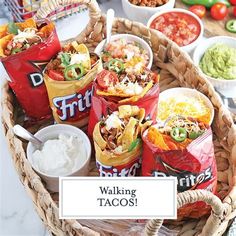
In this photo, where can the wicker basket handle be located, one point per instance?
(52, 5)
(191, 196)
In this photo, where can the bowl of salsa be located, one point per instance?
(179, 25)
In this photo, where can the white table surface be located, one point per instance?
(17, 214)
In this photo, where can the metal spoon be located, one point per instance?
(25, 134)
(109, 22)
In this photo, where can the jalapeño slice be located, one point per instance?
(178, 134)
(116, 65)
(71, 73)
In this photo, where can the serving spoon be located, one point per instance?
(25, 134)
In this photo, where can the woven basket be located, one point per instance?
(177, 70)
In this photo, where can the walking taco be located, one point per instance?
(68, 78)
(25, 49)
(117, 141)
(116, 86)
(181, 147)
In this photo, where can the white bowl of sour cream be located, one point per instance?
(66, 151)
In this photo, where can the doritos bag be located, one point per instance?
(191, 160)
(105, 102)
(68, 79)
(25, 49)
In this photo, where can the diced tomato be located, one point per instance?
(55, 75)
(106, 78)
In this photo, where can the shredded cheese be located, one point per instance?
(185, 106)
(128, 87)
(27, 33)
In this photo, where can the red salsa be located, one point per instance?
(177, 26)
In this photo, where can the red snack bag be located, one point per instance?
(24, 56)
(104, 103)
(192, 162)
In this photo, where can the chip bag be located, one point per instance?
(183, 148)
(68, 78)
(117, 141)
(25, 49)
(112, 90)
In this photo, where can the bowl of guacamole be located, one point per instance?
(216, 58)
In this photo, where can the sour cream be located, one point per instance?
(113, 121)
(77, 58)
(61, 156)
(129, 87)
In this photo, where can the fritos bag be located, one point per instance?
(119, 150)
(25, 68)
(194, 167)
(103, 106)
(70, 100)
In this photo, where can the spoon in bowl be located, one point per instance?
(25, 134)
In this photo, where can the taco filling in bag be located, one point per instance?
(122, 84)
(117, 140)
(130, 53)
(176, 133)
(72, 63)
(18, 37)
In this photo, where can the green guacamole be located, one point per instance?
(219, 61)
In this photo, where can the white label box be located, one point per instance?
(118, 198)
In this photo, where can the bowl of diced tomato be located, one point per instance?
(179, 25)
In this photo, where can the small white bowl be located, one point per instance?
(226, 87)
(52, 132)
(175, 92)
(129, 38)
(188, 48)
(142, 13)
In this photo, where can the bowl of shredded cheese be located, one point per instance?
(185, 102)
